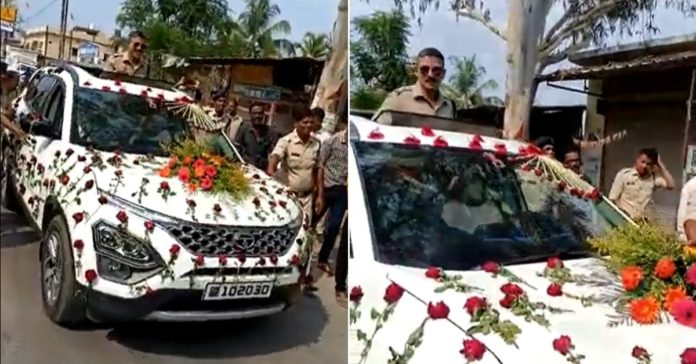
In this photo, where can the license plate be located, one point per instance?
(234, 291)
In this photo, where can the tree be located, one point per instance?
(256, 30)
(313, 45)
(465, 85)
(532, 46)
(379, 50)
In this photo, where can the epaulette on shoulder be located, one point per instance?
(401, 90)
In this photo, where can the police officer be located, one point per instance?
(9, 79)
(132, 61)
(424, 97)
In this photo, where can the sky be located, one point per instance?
(47, 12)
(440, 29)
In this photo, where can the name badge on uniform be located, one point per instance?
(295, 154)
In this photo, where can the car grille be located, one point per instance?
(211, 240)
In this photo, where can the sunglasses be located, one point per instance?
(138, 45)
(435, 71)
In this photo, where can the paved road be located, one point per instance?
(313, 331)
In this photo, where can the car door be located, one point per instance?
(40, 168)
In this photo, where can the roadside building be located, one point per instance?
(647, 90)
(82, 44)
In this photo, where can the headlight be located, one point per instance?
(122, 257)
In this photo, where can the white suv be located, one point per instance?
(121, 242)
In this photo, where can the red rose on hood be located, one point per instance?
(690, 276)
(554, 290)
(474, 304)
(393, 293)
(473, 350)
(122, 216)
(508, 301)
(563, 344)
(438, 311)
(554, 262)
(639, 352)
(688, 356)
(433, 273)
(356, 293)
(90, 275)
(199, 260)
(174, 250)
(222, 259)
(241, 257)
(512, 289)
(491, 267)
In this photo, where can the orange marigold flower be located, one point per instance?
(672, 295)
(199, 171)
(216, 160)
(192, 187)
(188, 161)
(172, 161)
(165, 172)
(631, 277)
(644, 310)
(665, 268)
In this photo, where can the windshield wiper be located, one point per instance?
(570, 254)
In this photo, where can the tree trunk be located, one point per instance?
(526, 23)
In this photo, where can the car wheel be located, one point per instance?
(63, 297)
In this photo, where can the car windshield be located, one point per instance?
(453, 208)
(133, 124)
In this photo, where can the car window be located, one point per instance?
(54, 109)
(43, 89)
(31, 88)
(453, 208)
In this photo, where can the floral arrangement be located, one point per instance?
(657, 274)
(195, 165)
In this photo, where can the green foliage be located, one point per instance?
(642, 245)
(366, 98)
(315, 45)
(465, 82)
(379, 48)
(257, 32)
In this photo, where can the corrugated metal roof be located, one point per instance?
(681, 59)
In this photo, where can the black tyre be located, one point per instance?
(63, 298)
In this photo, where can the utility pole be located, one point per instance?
(63, 28)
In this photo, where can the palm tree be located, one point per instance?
(465, 85)
(256, 30)
(314, 45)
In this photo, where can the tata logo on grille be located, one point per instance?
(244, 241)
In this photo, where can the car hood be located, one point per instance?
(586, 326)
(267, 204)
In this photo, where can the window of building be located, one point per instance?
(73, 52)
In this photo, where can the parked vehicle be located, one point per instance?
(441, 222)
(123, 242)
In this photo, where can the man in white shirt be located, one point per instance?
(686, 213)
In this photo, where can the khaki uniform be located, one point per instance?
(687, 207)
(411, 100)
(298, 163)
(120, 63)
(633, 193)
(227, 123)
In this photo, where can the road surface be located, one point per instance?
(313, 331)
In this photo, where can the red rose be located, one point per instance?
(473, 350)
(261, 261)
(512, 289)
(40, 168)
(184, 174)
(438, 311)
(474, 304)
(78, 217)
(554, 290)
(440, 142)
(122, 216)
(690, 276)
(149, 225)
(78, 244)
(433, 273)
(561, 185)
(103, 200)
(164, 185)
(427, 131)
(87, 169)
(256, 176)
(241, 257)
(554, 263)
(538, 172)
(206, 184)
(222, 259)
(393, 293)
(174, 250)
(282, 203)
(69, 152)
(191, 203)
(90, 275)
(217, 208)
(210, 171)
(508, 301)
(64, 179)
(117, 82)
(562, 344)
(294, 260)
(688, 356)
(199, 260)
(356, 294)
(639, 352)
(256, 202)
(81, 158)
(89, 184)
(491, 267)
(274, 259)
(118, 172)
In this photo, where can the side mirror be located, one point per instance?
(37, 125)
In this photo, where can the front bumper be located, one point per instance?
(186, 306)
